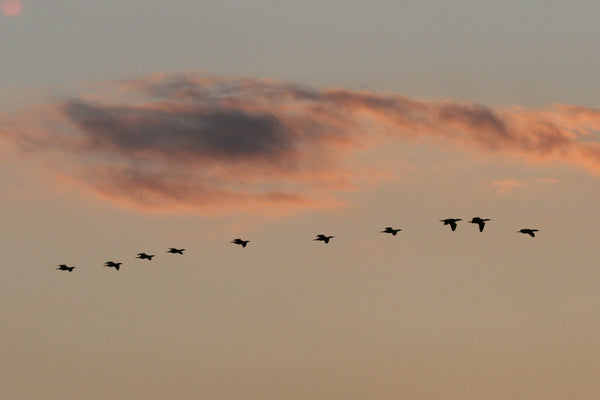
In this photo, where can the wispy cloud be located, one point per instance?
(195, 141)
(508, 185)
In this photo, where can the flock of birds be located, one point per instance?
(320, 237)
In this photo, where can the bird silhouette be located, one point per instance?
(323, 238)
(527, 231)
(63, 267)
(241, 242)
(175, 251)
(112, 264)
(389, 229)
(451, 221)
(479, 221)
(145, 256)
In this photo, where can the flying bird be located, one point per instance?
(145, 256)
(63, 267)
(451, 221)
(479, 221)
(323, 238)
(175, 251)
(112, 264)
(527, 231)
(389, 229)
(240, 242)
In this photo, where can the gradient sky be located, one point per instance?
(137, 126)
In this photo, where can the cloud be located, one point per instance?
(192, 141)
(509, 185)
(505, 186)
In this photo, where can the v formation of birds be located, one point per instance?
(453, 222)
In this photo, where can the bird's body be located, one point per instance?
(175, 251)
(389, 229)
(479, 221)
(241, 242)
(64, 267)
(528, 231)
(451, 221)
(112, 264)
(323, 238)
(145, 256)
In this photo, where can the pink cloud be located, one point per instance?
(11, 8)
(198, 142)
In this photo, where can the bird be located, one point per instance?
(240, 241)
(389, 229)
(175, 251)
(112, 264)
(145, 256)
(323, 238)
(451, 221)
(479, 221)
(63, 267)
(527, 231)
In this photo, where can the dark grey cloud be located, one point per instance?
(179, 132)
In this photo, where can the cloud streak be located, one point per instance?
(191, 141)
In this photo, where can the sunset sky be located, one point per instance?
(136, 126)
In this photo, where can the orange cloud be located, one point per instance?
(507, 185)
(199, 142)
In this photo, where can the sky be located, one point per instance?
(130, 127)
